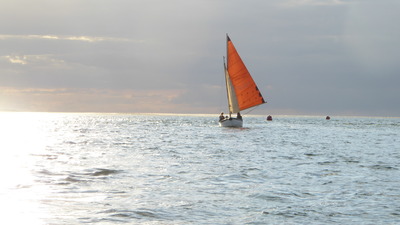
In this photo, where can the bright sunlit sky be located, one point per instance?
(308, 57)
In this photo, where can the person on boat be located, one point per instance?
(238, 116)
(221, 116)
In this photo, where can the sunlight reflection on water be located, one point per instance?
(21, 137)
(171, 169)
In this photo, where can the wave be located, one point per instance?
(102, 172)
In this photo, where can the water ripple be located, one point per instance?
(168, 169)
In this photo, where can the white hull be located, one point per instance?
(232, 122)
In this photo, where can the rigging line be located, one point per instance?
(251, 110)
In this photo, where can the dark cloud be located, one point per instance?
(308, 57)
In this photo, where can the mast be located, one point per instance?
(228, 80)
(226, 85)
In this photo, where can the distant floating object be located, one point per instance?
(328, 117)
(269, 118)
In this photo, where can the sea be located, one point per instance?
(72, 168)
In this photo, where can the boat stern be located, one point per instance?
(231, 122)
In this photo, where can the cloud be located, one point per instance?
(307, 56)
(33, 59)
(294, 3)
(68, 38)
(16, 59)
(372, 36)
(90, 100)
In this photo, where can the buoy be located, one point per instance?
(328, 117)
(269, 118)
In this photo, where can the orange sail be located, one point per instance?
(246, 90)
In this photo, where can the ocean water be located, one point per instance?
(184, 169)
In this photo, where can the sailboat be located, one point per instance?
(242, 91)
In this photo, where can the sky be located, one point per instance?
(308, 57)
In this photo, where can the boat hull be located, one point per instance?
(232, 122)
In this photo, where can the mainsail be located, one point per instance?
(239, 81)
(232, 101)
